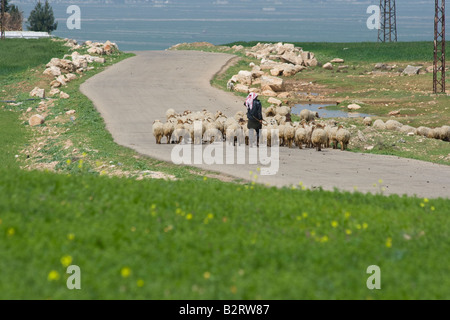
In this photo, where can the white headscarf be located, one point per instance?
(249, 101)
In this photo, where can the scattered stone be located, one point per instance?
(337, 60)
(55, 84)
(70, 112)
(328, 66)
(394, 113)
(284, 95)
(54, 91)
(272, 83)
(354, 106)
(29, 109)
(269, 93)
(37, 92)
(274, 101)
(63, 95)
(343, 67)
(241, 88)
(36, 120)
(411, 70)
(52, 71)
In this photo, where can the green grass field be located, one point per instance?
(199, 238)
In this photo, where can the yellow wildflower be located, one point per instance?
(125, 272)
(53, 275)
(66, 261)
(334, 224)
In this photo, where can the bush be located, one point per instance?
(42, 18)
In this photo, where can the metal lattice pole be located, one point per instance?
(388, 21)
(439, 47)
(2, 21)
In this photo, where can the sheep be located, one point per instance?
(379, 124)
(393, 125)
(433, 133)
(308, 115)
(408, 129)
(289, 134)
(300, 136)
(158, 131)
(230, 85)
(422, 131)
(168, 128)
(180, 132)
(271, 111)
(318, 137)
(170, 113)
(281, 129)
(332, 139)
(444, 133)
(343, 137)
(283, 110)
(309, 130)
(239, 115)
(367, 121)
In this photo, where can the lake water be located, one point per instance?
(157, 26)
(324, 113)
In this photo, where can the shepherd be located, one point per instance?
(254, 115)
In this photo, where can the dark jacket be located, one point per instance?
(255, 114)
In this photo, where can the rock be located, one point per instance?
(53, 62)
(63, 95)
(55, 84)
(274, 101)
(276, 72)
(268, 93)
(337, 60)
(272, 83)
(342, 67)
(354, 106)
(430, 69)
(37, 92)
(361, 136)
(255, 90)
(410, 134)
(408, 130)
(328, 66)
(311, 62)
(70, 76)
(54, 91)
(36, 120)
(70, 112)
(241, 88)
(99, 60)
(411, 70)
(67, 65)
(394, 113)
(29, 109)
(369, 148)
(52, 71)
(380, 66)
(284, 95)
(245, 77)
(61, 79)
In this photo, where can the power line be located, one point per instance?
(388, 21)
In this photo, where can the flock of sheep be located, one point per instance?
(280, 130)
(442, 133)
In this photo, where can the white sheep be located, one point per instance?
(158, 130)
(422, 131)
(379, 124)
(318, 137)
(300, 137)
(393, 125)
(168, 128)
(408, 129)
(308, 115)
(289, 134)
(170, 113)
(444, 133)
(367, 121)
(343, 137)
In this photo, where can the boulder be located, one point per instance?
(337, 60)
(245, 77)
(67, 65)
(55, 84)
(70, 76)
(70, 112)
(272, 83)
(61, 79)
(99, 60)
(241, 88)
(268, 93)
(53, 71)
(411, 70)
(276, 71)
(328, 66)
(54, 91)
(394, 113)
(284, 95)
(63, 95)
(354, 106)
(311, 62)
(274, 101)
(36, 120)
(37, 92)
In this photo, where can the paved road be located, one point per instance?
(132, 94)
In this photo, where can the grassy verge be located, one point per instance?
(76, 143)
(158, 239)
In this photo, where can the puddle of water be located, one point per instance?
(306, 94)
(324, 113)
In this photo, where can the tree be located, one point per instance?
(15, 19)
(6, 5)
(42, 18)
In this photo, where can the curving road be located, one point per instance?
(133, 93)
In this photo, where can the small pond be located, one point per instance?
(325, 113)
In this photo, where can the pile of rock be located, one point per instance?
(276, 60)
(98, 48)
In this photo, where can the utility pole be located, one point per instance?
(439, 47)
(2, 21)
(388, 21)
